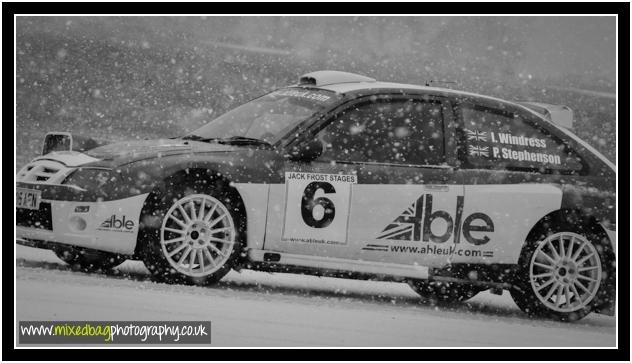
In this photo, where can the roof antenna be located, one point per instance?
(428, 83)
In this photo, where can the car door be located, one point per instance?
(382, 190)
(512, 170)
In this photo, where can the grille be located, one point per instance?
(42, 171)
(41, 218)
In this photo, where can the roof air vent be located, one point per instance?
(323, 78)
(558, 114)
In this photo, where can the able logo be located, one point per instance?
(414, 224)
(117, 224)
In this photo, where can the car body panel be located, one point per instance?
(255, 198)
(514, 210)
(370, 233)
(110, 226)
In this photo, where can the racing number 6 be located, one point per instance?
(308, 204)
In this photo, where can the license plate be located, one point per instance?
(27, 198)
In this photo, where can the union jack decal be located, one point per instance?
(479, 150)
(406, 226)
(476, 135)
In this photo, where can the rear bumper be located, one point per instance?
(612, 235)
(110, 226)
(607, 307)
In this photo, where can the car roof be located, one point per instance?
(345, 83)
(349, 83)
(360, 87)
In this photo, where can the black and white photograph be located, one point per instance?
(341, 181)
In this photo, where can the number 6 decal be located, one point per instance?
(317, 208)
(308, 204)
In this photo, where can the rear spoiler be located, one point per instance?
(65, 141)
(558, 114)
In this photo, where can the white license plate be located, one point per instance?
(27, 198)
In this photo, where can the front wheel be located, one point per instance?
(560, 276)
(198, 239)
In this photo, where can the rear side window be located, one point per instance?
(398, 131)
(498, 139)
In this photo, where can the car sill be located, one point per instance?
(329, 263)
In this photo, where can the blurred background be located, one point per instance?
(120, 78)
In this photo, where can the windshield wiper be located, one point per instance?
(233, 140)
(242, 140)
(192, 137)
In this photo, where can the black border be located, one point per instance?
(623, 9)
(473, 8)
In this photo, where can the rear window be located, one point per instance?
(498, 139)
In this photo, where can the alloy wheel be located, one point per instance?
(565, 272)
(197, 235)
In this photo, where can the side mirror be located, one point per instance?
(306, 151)
(65, 141)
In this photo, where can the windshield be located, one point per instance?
(268, 117)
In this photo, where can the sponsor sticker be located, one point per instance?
(310, 95)
(317, 207)
(464, 234)
(117, 224)
(436, 250)
(415, 224)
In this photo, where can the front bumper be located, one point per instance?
(110, 226)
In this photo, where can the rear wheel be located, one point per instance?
(198, 238)
(440, 292)
(88, 260)
(561, 275)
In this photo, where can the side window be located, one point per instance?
(387, 131)
(498, 139)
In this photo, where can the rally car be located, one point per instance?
(342, 175)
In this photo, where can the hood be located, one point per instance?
(136, 150)
(68, 158)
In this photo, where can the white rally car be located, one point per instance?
(345, 176)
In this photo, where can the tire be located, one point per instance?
(88, 260)
(564, 274)
(193, 234)
(439, 292)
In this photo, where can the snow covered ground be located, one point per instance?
(260, 309)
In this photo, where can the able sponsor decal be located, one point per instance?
(449, 250)
(117, 224)
(415, 224)
(317, 207)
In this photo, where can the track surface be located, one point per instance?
(259, 309)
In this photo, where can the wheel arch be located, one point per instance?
(190, 175)
(567, 216)
(577, 220)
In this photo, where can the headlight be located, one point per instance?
(94, 180)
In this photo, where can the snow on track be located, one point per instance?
(260, 309)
